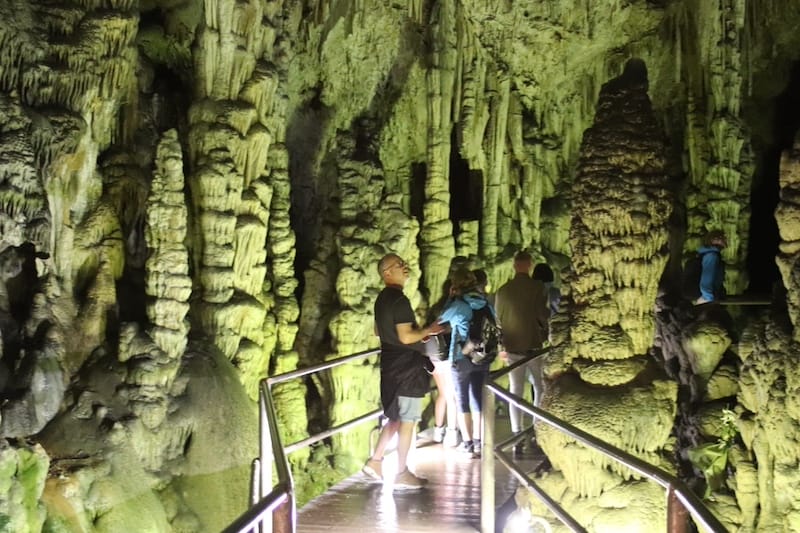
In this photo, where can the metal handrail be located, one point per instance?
(749, 299)
(679, 497)
(254, 516)
(280, 503)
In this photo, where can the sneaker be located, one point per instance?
(476, 449)
(465, 447)
(372, 469)
(438, 434)
(406, 480)
(425, 434)
(451, 438)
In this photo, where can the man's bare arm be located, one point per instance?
(409, 334)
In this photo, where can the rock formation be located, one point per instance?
(193, 196)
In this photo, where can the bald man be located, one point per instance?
(404, 381)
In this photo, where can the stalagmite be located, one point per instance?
(168, 261)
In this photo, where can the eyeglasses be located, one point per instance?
(399, 264)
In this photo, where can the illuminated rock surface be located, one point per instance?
(194, 194)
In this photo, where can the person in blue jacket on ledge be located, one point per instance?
(712, 274)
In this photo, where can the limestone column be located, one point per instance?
(437, 246)
(240, 190)
(787, 214)
(721, 162)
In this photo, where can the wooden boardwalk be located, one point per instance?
(450, 503)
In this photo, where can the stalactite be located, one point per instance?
(437, 246)
(491, 223)
(23, 199)
(473, 108)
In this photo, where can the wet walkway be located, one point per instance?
(450, 503)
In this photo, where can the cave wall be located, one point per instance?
(200, 189)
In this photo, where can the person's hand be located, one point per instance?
(435, 328)
(503, 355)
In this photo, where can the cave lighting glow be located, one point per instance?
(521, 521)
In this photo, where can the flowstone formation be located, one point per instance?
(787, 215)
(133, 417)
(621, 204)
(240, 190)
(765, 459)
(762, 487)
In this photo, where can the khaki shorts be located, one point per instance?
(410, 408)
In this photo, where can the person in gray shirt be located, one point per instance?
(522, 315)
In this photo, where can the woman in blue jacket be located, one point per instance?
(468, 378)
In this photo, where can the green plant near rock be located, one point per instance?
(712, 458)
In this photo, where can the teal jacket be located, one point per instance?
(458, 312)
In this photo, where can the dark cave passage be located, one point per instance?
(466, 188)
(764, 237)
(304, 137)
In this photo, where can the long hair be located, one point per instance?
(462, 281)
(543, 273)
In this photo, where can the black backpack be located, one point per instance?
(692, 270)
(483, 340)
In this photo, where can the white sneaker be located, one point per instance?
(438, 433)
(451, 438)
(426, 434)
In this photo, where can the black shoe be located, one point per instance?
(518, 449)
(535, 449)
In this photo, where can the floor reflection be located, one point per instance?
(450, 503)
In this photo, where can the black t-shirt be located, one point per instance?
(402, 366)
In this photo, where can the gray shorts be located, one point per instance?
(410, 408)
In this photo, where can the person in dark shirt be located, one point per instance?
(404, 380)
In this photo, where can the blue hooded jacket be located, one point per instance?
(458, 312)
(713, 274)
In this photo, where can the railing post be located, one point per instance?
(283, 519)
(677, 515)
(255, 488)
(487, 462)
(265, 452)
